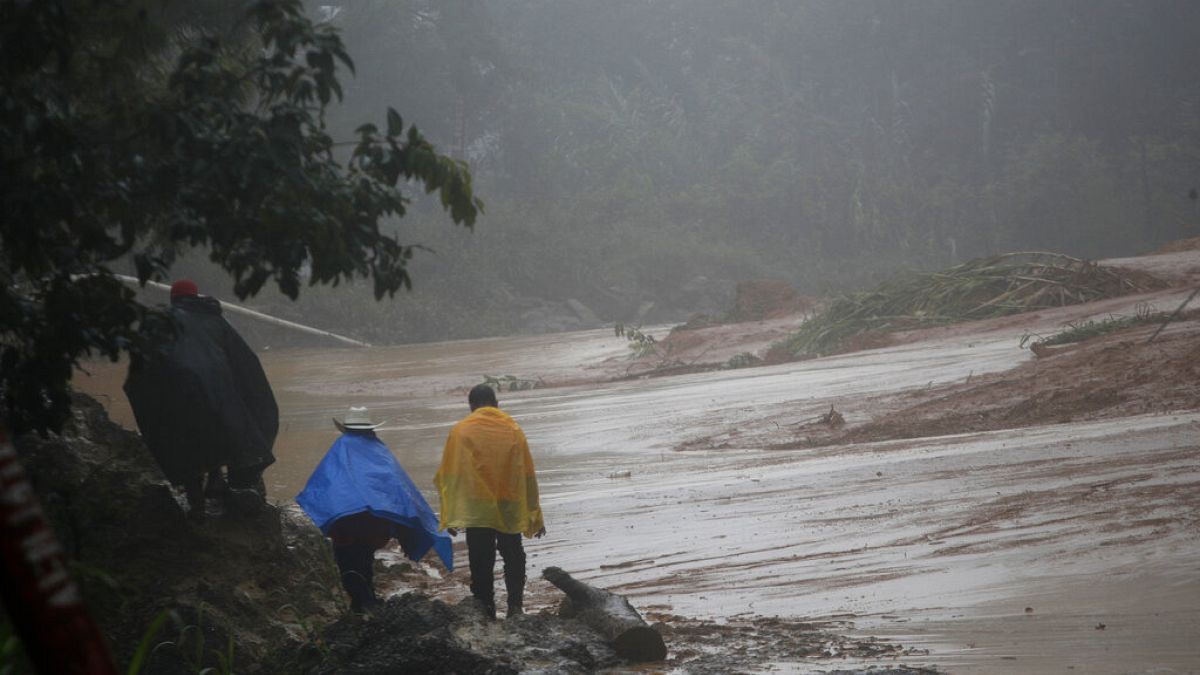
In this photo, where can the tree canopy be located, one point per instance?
(127, 134)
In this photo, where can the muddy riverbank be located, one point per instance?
(712, 495)
(257, 593)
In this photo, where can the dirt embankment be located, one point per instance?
(1114, 375)
(763, 313)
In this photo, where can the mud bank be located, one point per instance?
(936, 541)
(1120, 374)
(237, 587)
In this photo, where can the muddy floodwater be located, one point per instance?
(1064, 548)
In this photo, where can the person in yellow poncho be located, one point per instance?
(488, 487)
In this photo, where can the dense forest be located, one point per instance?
(639, 151)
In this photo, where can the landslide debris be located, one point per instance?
(978, 289)
(766, 299)
(1105, 376)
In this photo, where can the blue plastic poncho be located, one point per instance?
(358, 474)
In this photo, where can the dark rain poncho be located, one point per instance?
(359, 474)
(203, 400)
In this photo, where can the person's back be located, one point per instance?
(489, 480)
(488, 486)
(241, 404)
(202, 401)
(360, 497)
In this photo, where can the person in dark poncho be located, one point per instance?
(202, 402)
(361, 498)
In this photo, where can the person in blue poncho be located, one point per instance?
(360, 497)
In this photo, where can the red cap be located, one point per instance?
(184, 287)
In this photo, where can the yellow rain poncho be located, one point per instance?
(486, 478)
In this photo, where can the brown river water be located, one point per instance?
(1065, 548)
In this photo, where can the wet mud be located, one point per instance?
(980, 510)
(416, 633)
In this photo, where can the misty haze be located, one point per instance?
(661, 152)
(846, 336)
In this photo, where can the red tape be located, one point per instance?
(39, 595)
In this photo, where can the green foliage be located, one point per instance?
(311, 632)
(190, 647)
(12, 656)
(138, 660)
(1085, 330)
(978, 289)
(119, 144)
(742, 360)
(224, 660)
(640, 344)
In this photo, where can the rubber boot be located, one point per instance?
(247, 493)
(516, 596)
(362, 596)
(216, 487)
(486, 609)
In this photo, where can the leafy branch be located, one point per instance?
(119, 145)
(640, 343)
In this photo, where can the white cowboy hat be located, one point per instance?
(356, 418)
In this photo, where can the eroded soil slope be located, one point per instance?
(1114, 375)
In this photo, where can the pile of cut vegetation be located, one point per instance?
(978, 289)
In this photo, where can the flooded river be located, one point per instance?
(1068, 548)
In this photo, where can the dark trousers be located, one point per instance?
(482, 544)
(356, 563)
(213, 483)
(247, 478)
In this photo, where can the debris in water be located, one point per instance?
(833, 419)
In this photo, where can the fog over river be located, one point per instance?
(1029, 550)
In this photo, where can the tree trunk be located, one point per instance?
(612, 616)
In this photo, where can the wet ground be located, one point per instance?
(1058, 548)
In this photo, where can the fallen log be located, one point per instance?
(610, 615)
